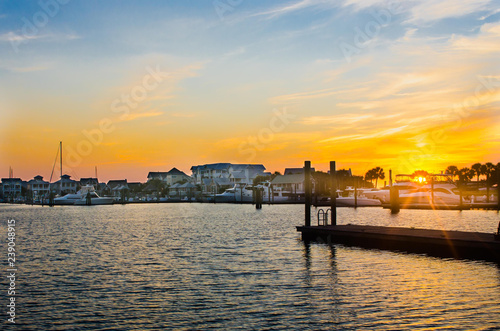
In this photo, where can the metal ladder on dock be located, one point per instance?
(323, 216)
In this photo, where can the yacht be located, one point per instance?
(361, 200)
(88, 192)
(68, 199)
(439, 195)
(245, 193)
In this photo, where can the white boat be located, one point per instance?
(439, 195)
(245, 193)
(68, 199)
(88, 193)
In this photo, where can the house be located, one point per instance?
(186, 190)
(294, 171)
(11, 188)
(157, 175)
(39, 187)
(222, 175)
(89, 181)
(291, 184)
(118, 187)
(171, 177)
(66, 185)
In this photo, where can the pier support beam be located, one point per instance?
(307, 190)
(333, 192)
(394, 197)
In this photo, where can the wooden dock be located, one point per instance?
(453, 244)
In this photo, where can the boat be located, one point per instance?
(245, 193)
(356, 198)
(68, 199)
(432, 195)
(90, 197)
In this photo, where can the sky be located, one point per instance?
(136, 86)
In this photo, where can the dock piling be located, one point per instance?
(307, 189)
(394, 197)
(333, 192)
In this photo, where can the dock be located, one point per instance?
(440, 243)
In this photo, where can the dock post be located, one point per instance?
(432, 192)
(498, 192)
(333, 193)
(394, 197)
(355, 196)
(258, 198)
(307, 189)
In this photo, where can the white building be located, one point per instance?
(11, 188)
(39, 187)
(171, 177)
(65, 185)
(217, 176)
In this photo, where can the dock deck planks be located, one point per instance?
(455, 244)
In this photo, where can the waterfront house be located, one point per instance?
(65, 185)
(11, 188)
(89, 181)
(292, 184)
(295, 171)
(171, 177)
(38, 188)
(118, 187)
(186, 190)
(222, 175)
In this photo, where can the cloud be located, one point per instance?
(431, 10)
(422, 12)
(291, 7)
(323, 93)
(134, 116)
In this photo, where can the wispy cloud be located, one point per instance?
(313, 95)
(379, 134)
(139, 115)
(294, 6)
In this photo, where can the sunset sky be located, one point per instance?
(139, 86)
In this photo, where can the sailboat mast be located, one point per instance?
(60, 154)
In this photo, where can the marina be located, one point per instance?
(205, 266)
(454, 244)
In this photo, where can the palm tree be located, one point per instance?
(369, 176)
(452, 170)
(375, 173)
(465, 174)
(488, 169)
(476, 167)
(379, 174)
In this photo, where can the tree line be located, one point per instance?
(466, 174)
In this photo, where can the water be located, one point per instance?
(225, 267)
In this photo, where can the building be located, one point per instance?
(89, 181)
(11, 188)
(118, 187)
(38, 187)
(292, 184)
(225, 175)
(66, 185)
(295, 171)
(171, 177)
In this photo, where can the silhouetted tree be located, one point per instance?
(452, 170)
(476, 167)
(466, 174)
(375, 173)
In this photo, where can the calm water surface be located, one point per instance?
(202, 266)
